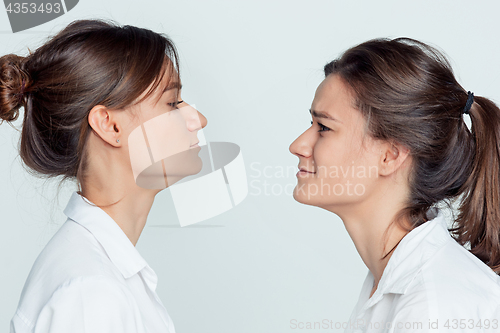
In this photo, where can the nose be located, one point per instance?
(303, 145)
(195, 120)
(203, 120)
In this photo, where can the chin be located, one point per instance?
(304, 197)
(317, 200)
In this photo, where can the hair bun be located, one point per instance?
(13, 83)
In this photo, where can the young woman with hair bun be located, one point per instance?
(392, 112)
(83, 92)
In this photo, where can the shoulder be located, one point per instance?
(454, 270)
(72, 260)
(454, 284)
(73, 251)
(95, 292)
(88, 304)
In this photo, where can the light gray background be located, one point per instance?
(252, 68)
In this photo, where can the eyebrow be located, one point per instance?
(321, 114)
(173, 85)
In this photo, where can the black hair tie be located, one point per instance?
(470, 100)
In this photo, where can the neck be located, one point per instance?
(111, 186)
(367, 221)
(129, 210)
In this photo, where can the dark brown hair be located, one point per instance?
(89, 63)
(407, 92)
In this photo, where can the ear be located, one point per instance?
(393, 158)
(105, 125)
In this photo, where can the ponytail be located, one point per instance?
(478, 220)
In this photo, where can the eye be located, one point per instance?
(323, 128)
(175, 103)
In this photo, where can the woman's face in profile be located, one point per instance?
(335, 165)
(162, 137)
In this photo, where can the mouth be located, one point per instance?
(194, 145)
(303, 171)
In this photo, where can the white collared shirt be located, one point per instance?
(430, 284)
(90, 278)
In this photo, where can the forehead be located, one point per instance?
(333, 93)
(334, 98)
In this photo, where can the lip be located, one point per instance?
(304, 172)
(302, 169)
(194, 145)
(301, 173)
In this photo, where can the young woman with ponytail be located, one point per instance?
(83, 92)
(392, 112)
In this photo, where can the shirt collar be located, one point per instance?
(115, 242)
(414, 250)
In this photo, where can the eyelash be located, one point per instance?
(322, 127)
(175, 103)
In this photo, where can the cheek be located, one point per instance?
(325, 157)
(329, 154)
(342, 160)
(363, 169)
